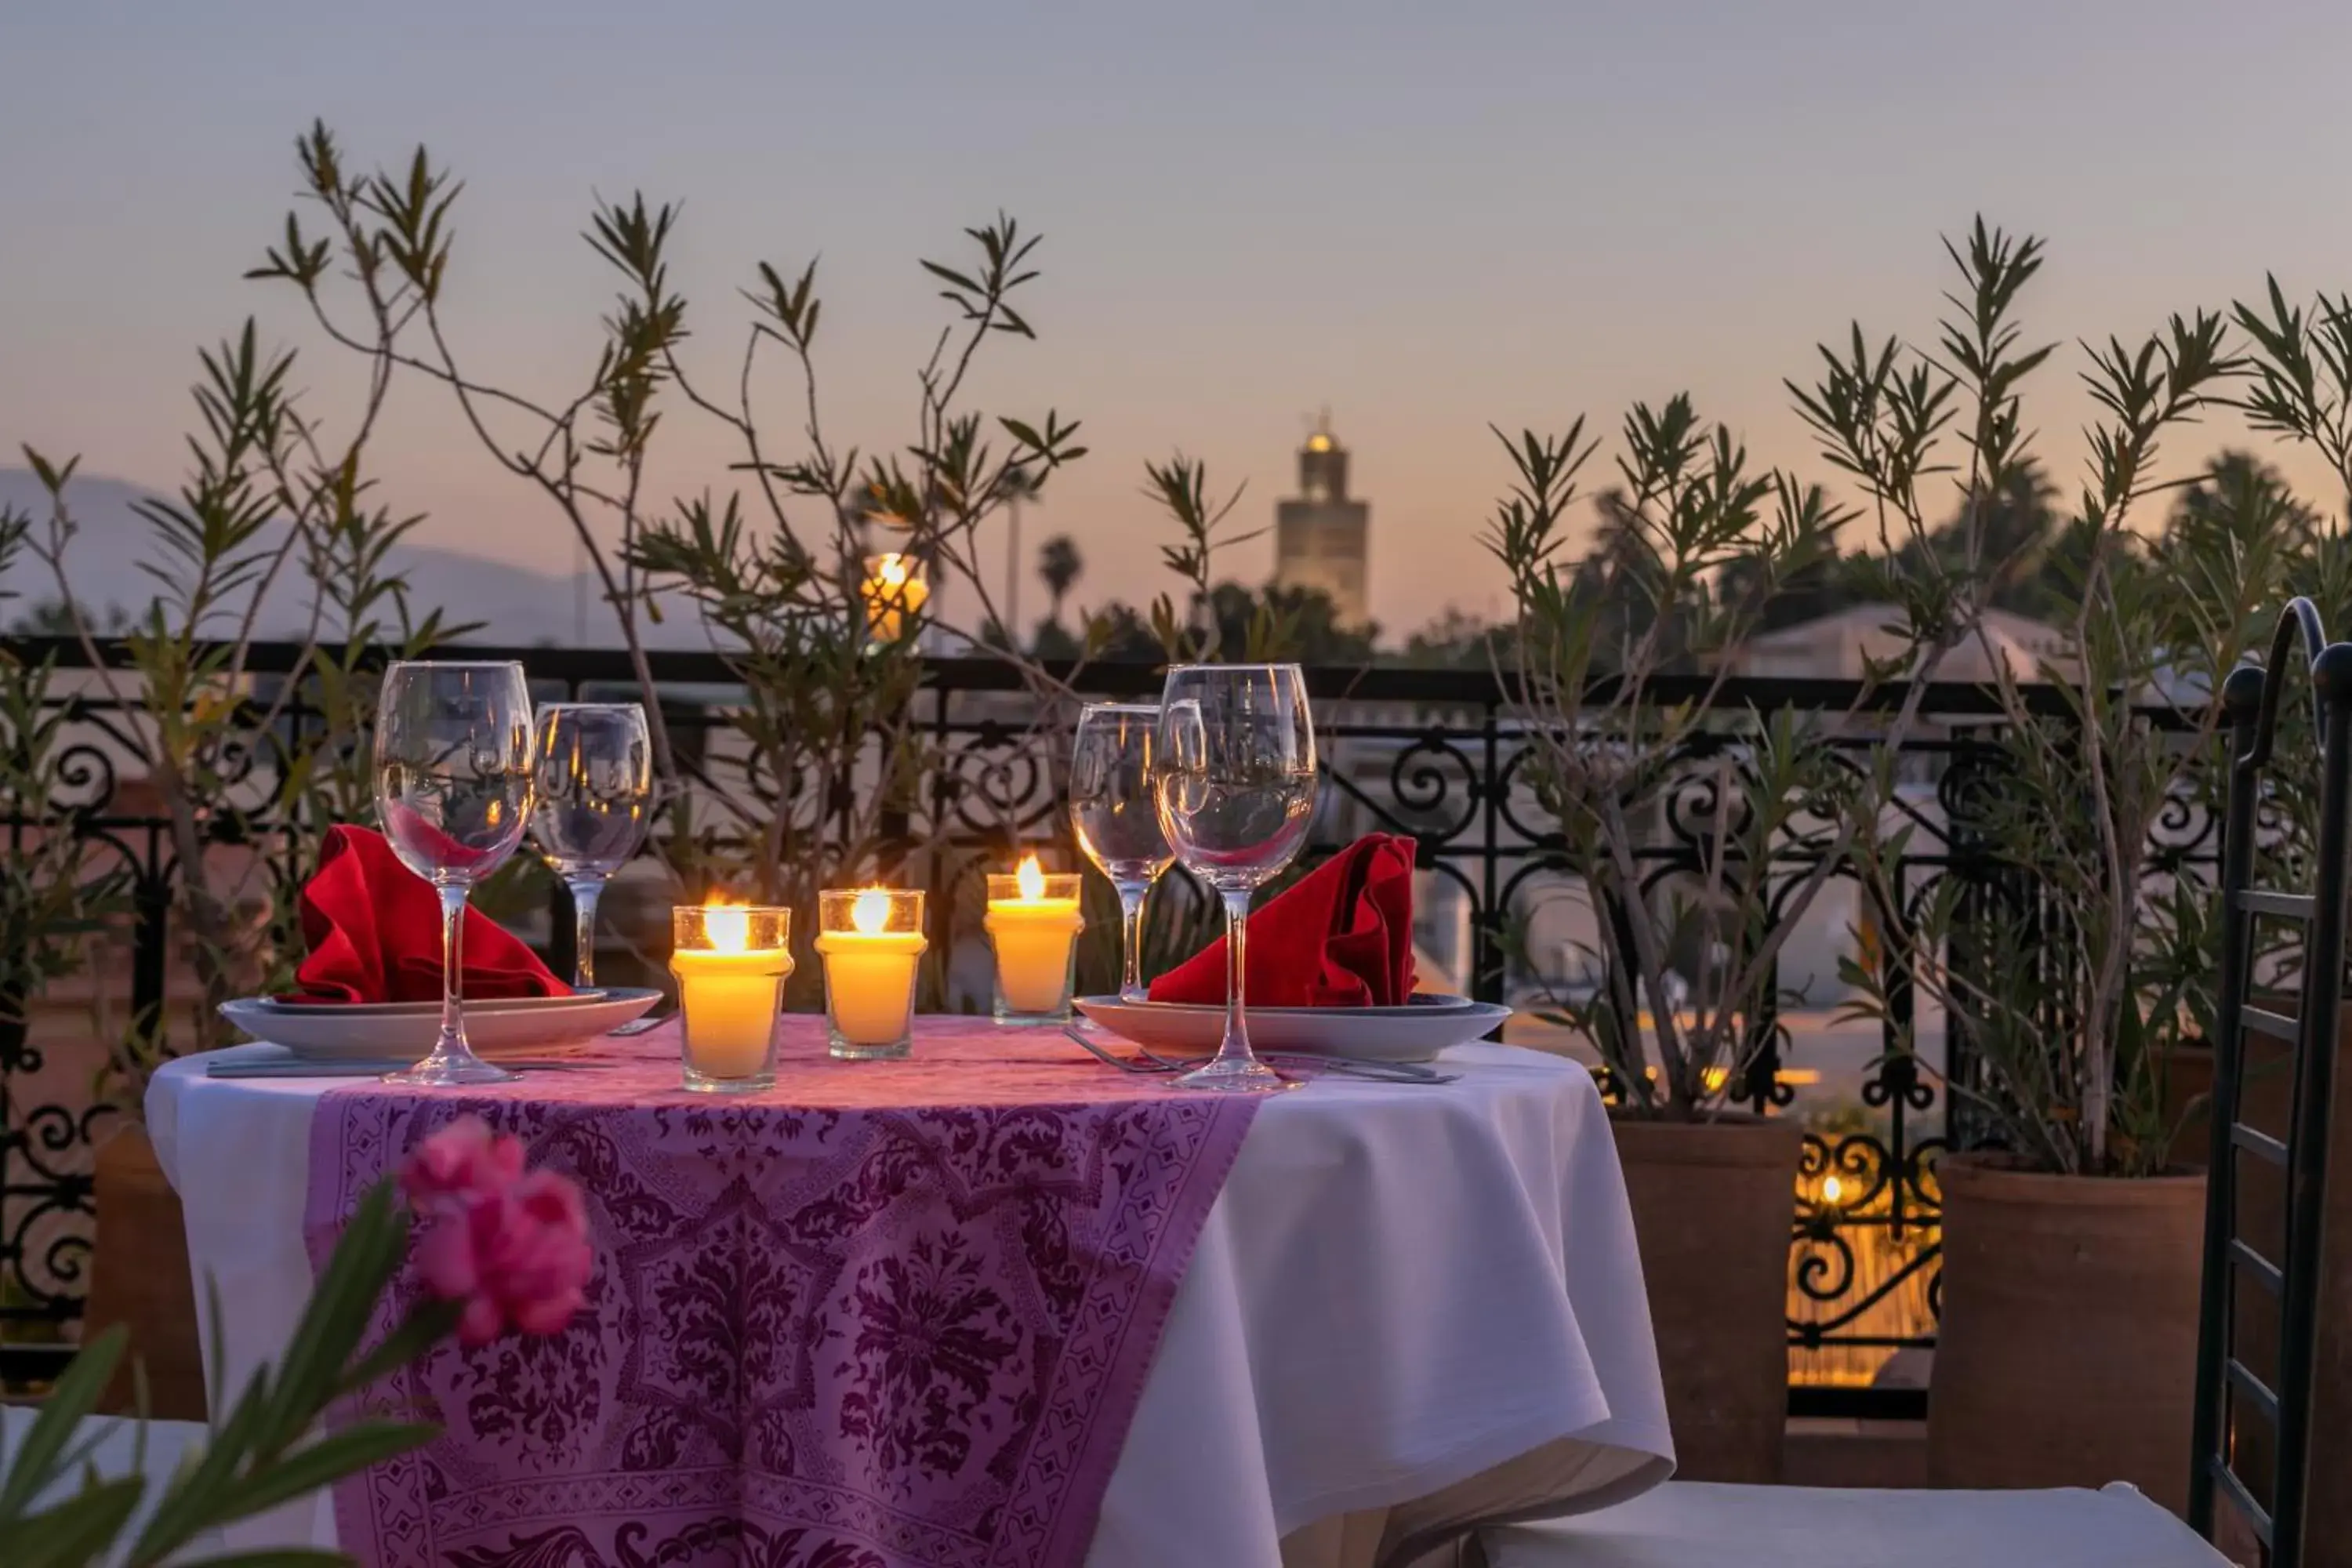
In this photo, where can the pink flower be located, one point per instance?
(463, 1160)
(512, 1247)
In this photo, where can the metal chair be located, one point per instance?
(1684, 1524)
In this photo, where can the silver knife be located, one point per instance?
(276, 1068)
(298, 1066)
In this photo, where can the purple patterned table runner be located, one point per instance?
(888, 1315)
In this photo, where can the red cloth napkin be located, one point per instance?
(373, 927)
(1339, 937)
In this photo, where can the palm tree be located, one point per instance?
(1061, 565)
(2207, 504)
(2023, 555)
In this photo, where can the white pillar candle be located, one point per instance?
(872, 943)
(1032, 921)
(731, 964)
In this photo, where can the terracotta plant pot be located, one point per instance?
(2067, 1352)
(1713, 1204)
(139, 1276)
(2188, 1083)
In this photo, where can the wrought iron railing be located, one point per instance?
(1438, 756)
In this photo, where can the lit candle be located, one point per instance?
(731, 962)
(1033, 921)
(894, 592)
(872, 942)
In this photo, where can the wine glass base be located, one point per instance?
(1245, 1075)
(466, 1070)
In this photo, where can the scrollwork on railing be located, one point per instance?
(991, 784)
(1865, 1237)
(1439, 757)
(1426, 779)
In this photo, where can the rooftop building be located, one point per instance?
(1321, 539)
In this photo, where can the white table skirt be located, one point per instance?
(1400, 1290)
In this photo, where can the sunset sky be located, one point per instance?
(1425, 217)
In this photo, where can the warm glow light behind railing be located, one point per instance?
(1879, 1261)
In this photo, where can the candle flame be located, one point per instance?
(871, 913)
(1832, 1190)
(728, 929)
(1031, 878)
(891, 569)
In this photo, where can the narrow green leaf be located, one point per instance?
(337, 1317)
(35, 1464)
(951, 275)
(425, 1327)
(77, 1531)
(330, 1459)
(179, 1513)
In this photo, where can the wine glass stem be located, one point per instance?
(1235, 1046)
(1130, 909)
(584, 917)
(453, 957)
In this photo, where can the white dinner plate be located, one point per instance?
(1414, 1033)
(431, 1009)
(405, 1031)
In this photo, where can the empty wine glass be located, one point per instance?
(594, 801)
(453, 785)
(1234, 778)
(1117, 822)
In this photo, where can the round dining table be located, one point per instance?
(998, 1304)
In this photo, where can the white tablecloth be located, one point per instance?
(1410, 1298)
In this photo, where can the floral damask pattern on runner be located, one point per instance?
(888, 1315)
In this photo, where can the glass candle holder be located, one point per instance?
(1032, 921)
(871, 940)
(894, 592)
(731, 961)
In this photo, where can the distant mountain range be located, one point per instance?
(518, 607)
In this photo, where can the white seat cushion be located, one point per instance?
(168, 1442)
(1687, 1524)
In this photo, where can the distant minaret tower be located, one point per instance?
(1321, 539)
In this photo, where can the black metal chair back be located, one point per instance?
(2231, 1395)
